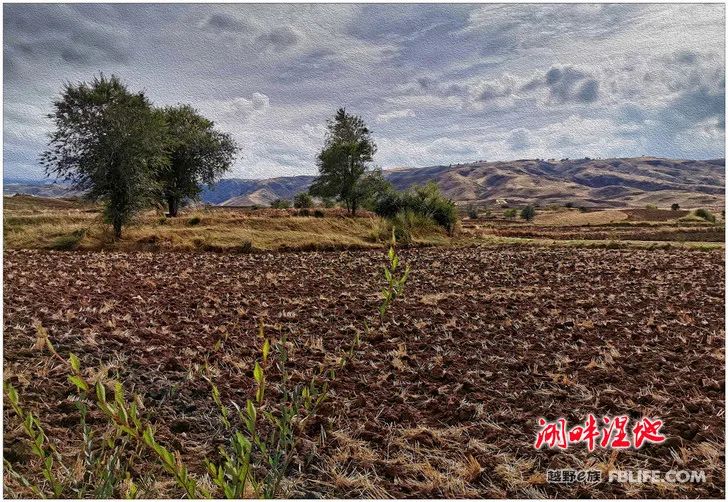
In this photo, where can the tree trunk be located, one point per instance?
(353, 207)
(117, 230)
(173, 204)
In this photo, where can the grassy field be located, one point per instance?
(625, 228)
(39, 223)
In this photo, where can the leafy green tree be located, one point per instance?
(347, 151)
(198, 154)
(108, 142)
(302, 200)
(369, 187)
(528, 213)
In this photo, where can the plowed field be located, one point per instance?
(442, 400)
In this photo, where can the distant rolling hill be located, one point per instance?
(585, 182)
(242, 192)
(589, 182)
(39, 188)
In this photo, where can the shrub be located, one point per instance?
(510, 213)
(318, 213)
(303, 201)
(195, 220)
(400, 229)
(650, 206)
(246, 247)
(405, 225)
(705, 214)
(528, 213)
(675, 206)
(328, 202)
(569, 205)
(280, 204)
(304, 212)
(472, 212)
(70, 241)
(426, 201)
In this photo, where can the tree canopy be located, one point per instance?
(528, 213)
(347, 151)
(198, 154)
(117, 148)
(108, 142)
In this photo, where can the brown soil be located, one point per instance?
(654, 214)
(691, 233)
(442, 401)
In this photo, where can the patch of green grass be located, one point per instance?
(68, 242)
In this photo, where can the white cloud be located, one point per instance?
(439, 83)
(395, 114)
(238, 109)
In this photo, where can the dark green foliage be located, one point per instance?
(198, 154)
(705, 214)
(569, 205)
(108, 142)
(675, 206)
(303, 200)
(426, 200)
(318, 213)
(195, 220)
(528, 213)
(347, 151)
(369, 187)
(280, 204)
(328, 202)
(510, 213)
(304, 212)
(472, 212)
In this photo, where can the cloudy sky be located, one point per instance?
(437, 84)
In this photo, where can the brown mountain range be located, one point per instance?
(587, 182)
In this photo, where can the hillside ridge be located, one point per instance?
(613, 182)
